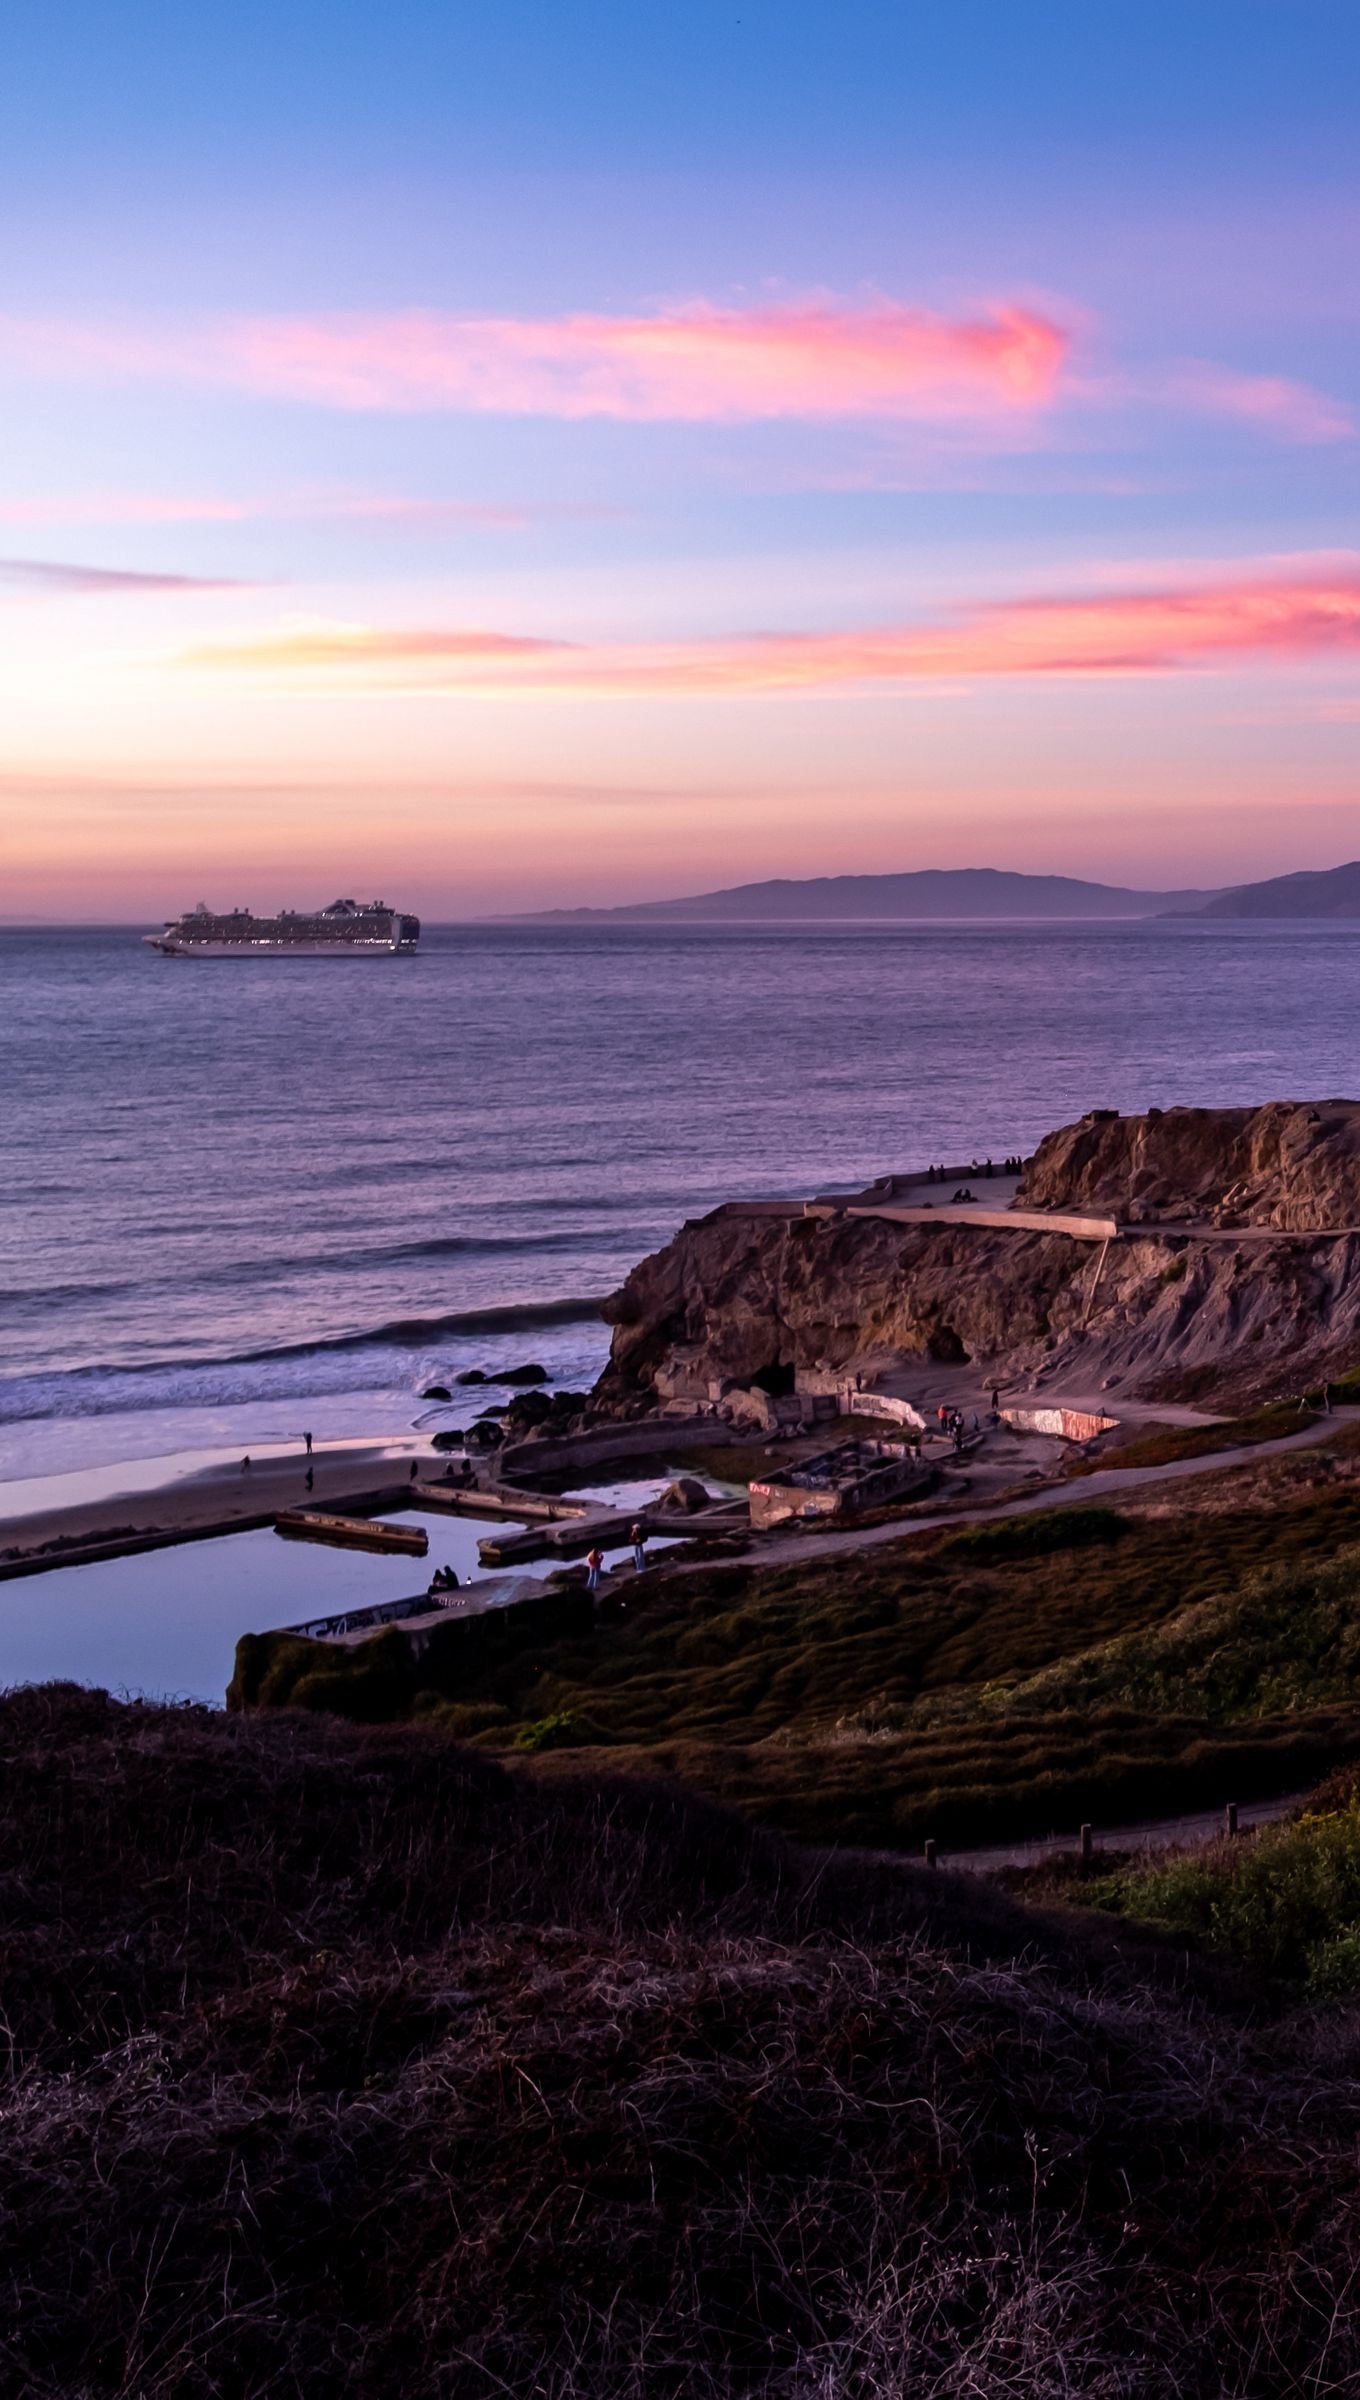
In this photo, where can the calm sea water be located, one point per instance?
(237, 1199)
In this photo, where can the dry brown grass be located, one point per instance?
(347, 2066)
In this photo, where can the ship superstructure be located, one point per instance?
(344, 930)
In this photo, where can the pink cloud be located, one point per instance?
(1101, 633)
(815, 358)
(1009, 362)
(64, 575)
(1276, 404)
(115, 508)
(156, 508)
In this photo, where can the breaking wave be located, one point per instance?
(398, 1354)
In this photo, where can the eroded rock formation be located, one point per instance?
(1292, 1164)
(757, 1302)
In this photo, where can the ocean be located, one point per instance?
(237, 1200)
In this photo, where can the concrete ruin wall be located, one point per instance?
(1069, 1424)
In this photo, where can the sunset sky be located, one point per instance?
(509, 456)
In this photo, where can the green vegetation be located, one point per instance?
(1036, 1536)
(1163, 1444)
(1284, 1903)
(1285, 1639)
(977, 1686)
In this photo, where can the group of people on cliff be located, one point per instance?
(978, 1166)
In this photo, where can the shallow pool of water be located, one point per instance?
(165, 1623)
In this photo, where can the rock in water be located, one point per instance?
(684, 1498)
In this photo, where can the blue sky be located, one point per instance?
(421, 422)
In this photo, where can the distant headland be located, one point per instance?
(979, 894)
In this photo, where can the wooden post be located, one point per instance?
(1230, 1817)
(1086, 1846)
(930, 1854)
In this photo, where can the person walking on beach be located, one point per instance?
(245, 1464)
(308, 1440)
(594, 1562)
(638, 1538)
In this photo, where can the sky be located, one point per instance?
(496, 459)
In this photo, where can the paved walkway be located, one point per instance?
(1106, 1483)
(914, 1200)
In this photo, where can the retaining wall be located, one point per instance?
(653, 1437)
(1069, 1424)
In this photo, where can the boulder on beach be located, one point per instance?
(436, 1391)
(471, 1375)
(484, 1435)
(452, 1438)
(532, 1373)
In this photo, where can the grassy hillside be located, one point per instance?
(344, 2065)
(1000, 1681)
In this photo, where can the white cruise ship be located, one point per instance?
(344, 930)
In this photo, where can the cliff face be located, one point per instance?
(1292, 1164)
(746, 1299)
(740, 1299)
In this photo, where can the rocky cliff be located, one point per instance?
(740, 1299)
(1292, 1164)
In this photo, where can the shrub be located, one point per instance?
(1286, 1903)
(1162, 1444)
(1034, 1536)
(561, 1731)
(369, 1682)
(1288, 1638)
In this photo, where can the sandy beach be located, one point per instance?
(56, 1518)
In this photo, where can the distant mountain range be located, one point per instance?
(932, 892)
(1332, 892)
(945, 894)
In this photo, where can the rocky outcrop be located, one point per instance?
(749, 1304)
(683, 1498)
(1292, 1164)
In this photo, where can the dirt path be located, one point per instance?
(1158, 1833)
(1107, 1482)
